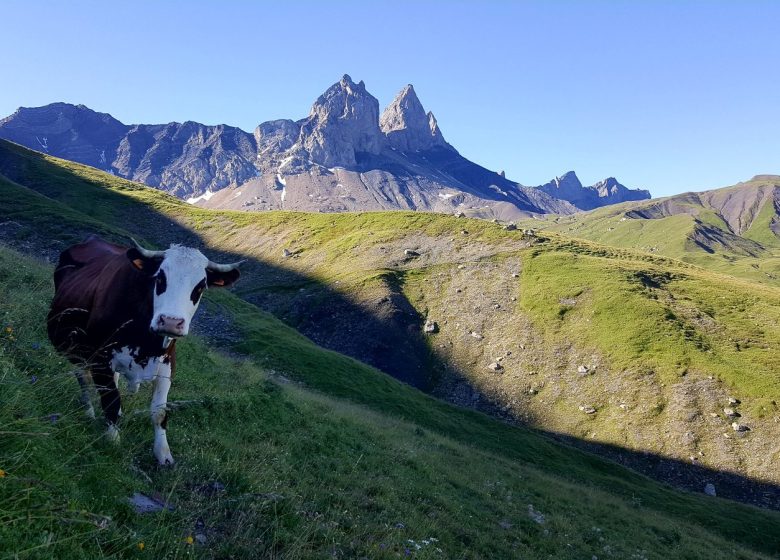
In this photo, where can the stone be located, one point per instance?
(476, 335)
(709, 489)
(731, 413)
(583, 370)
(510, 227)
(411, 253)
(431, 327)
(734, 401)
(535, 515)
(286, 253)
(145, 504)
(587, 409)
(737, 427)
(495, 366)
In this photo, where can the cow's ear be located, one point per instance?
(147, 265)
(221, 279)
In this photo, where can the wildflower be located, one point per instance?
(36, 345)
(2, 473)
(33, 379)
(53, 418)
(141, 545)
(9, 330)
(189, 539)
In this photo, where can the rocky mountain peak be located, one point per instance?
(568, 177)
(607, 191)
(343, 122)
(433, 126)
(407, 126)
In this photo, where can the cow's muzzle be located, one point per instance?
(169, 326)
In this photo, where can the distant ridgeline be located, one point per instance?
(344, 156)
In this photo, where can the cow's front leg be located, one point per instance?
(86, 399)
(105, 382)
(162, 384)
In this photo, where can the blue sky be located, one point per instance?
(669, 96)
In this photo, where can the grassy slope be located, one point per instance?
(338, 247)
(309, 476)
(671, 235)
(273, 345)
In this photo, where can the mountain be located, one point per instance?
(733, 229)
(603, 193)
(344, 156)
(629, 354)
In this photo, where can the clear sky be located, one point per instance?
(664, 95)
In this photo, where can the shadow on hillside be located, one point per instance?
(387, 336)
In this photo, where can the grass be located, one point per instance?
(672, 235)
(350, 464)
(647, 316)
(347, 461)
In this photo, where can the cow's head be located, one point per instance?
(180, 276)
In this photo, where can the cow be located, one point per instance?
(120, 310)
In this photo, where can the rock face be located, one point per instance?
(408, 127)
(181, 158)
(343, 123)
(343, 157)
(609, 191)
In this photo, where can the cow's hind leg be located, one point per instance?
(105, 382)
(162, 384)
(86, 398)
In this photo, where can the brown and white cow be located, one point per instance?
(120, 310)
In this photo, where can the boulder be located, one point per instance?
(431, 327)
(709, 489)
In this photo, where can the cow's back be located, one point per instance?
(83, 271)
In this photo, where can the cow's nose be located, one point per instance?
(170, 325)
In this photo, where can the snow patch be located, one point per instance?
(497, 189)
(195, 199)
(285, 161)
(446, 196)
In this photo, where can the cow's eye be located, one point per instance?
(197, 291)
(162, 282)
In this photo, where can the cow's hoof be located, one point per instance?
(164, 456)
(112, 434)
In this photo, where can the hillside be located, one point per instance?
(541, 308)
(344, 156)
(344, 461)
(735, 229)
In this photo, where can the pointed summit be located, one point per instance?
(342, 122)
(433, 126)
(407, 127)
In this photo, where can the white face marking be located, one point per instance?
(183, 269)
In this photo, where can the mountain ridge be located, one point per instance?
(409, 163)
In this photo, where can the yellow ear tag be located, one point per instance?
(219, 282)
(138, 263)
